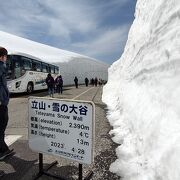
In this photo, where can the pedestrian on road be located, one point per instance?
(86, 81)
(50, 85)
(95, 81)
(92, 82)
(59, 84)
(76, 81)
(4, 100)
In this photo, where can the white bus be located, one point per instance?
(26, 73)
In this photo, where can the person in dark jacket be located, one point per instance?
(4, 100)
(92, 82)
(59, 84)
(50, 85)
(95, 81)
(76, 81)
(86, 81)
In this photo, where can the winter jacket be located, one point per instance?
(4, 92)
(50, 81)
(59, 81)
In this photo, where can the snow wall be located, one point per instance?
(143, 95)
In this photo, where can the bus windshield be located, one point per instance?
(13, 65)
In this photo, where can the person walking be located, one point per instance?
(76, 81)
(50, 85)
(92, 81)
(95, 81)
(4, 100)
(59, 84)
(86, 81)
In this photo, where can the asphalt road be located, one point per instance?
(23, 165)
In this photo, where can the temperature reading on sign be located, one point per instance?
(84, 134)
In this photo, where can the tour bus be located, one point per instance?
(26, 73)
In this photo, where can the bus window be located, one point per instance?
(36, 66)
(44, 67)
(33, 66)
(56, 70)
(52, 69)
(27, 65)
(14, 67)
(17, 69)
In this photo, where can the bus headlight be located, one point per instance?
(18, 84)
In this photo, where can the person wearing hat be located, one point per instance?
(4, 100)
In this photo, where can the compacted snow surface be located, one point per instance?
(143, 95)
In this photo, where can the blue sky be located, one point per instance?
(95, 28)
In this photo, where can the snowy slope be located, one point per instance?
(47, 53)
(144, 105)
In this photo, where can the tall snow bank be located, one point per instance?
(47, 53)
(143, 95)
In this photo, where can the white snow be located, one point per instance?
(143, 92)
(47, 53)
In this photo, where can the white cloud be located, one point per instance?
(60, 17)
(71, 16)
(66, 22)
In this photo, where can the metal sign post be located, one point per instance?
(62, 128)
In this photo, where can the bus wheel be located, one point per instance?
(30, 88)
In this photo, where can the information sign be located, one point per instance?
(62, 127)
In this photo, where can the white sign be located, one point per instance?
(62, 127)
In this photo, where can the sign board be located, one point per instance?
(62, 127)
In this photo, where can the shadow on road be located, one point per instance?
(23, 165)
(39, 93)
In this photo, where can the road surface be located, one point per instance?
(24, 164)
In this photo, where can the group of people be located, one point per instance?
(94, 81)
(54, 84)
(57, 84)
